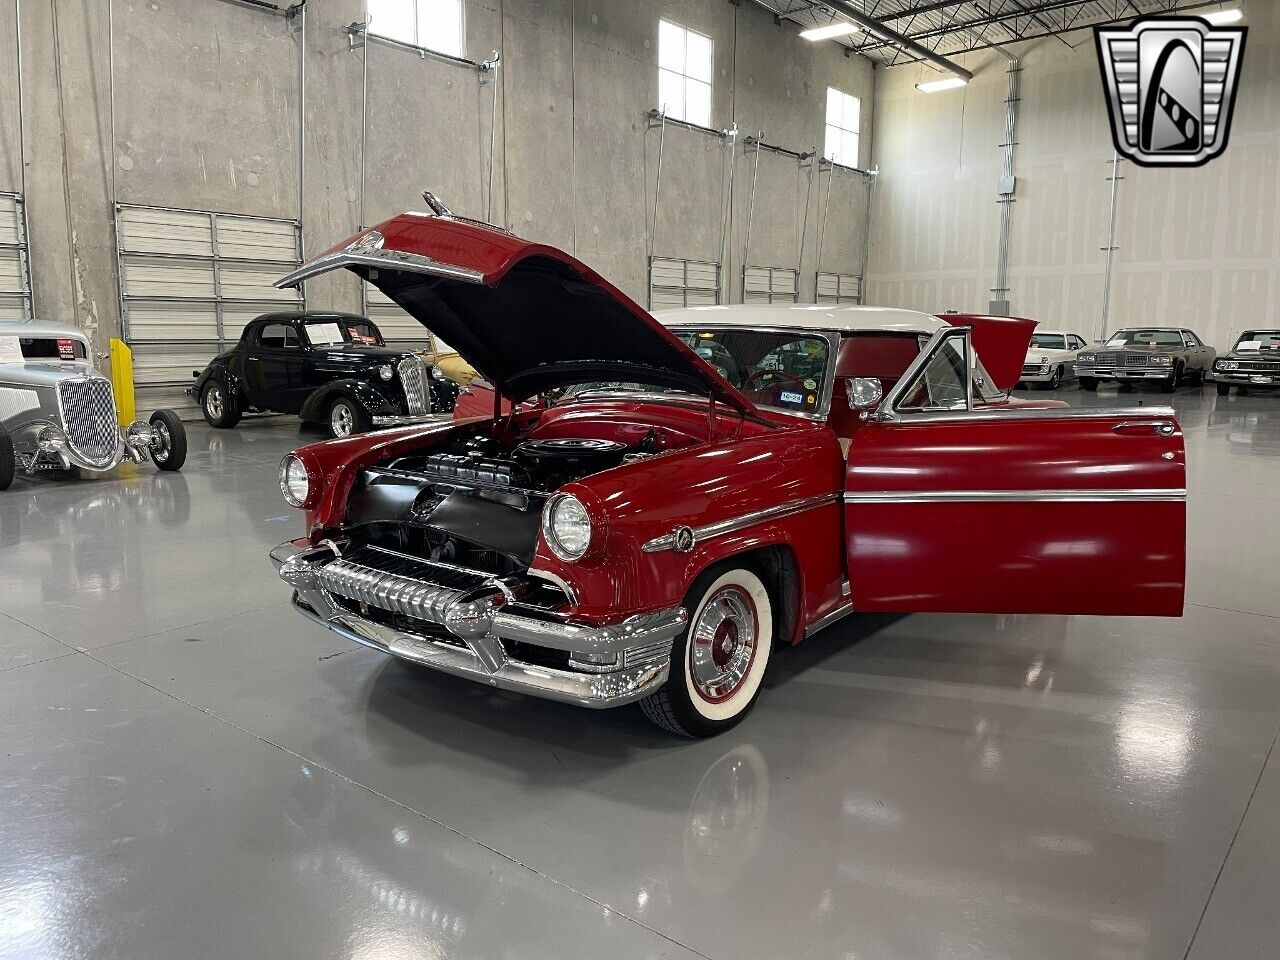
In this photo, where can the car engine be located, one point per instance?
(477, 502)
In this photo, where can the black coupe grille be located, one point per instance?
(413, 376)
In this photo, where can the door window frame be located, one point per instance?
(289, 329)
(889, 409)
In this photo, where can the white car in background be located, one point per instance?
(1051, 357)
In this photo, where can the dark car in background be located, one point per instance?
(1164, 356)
(1253, 362)
(331, 369)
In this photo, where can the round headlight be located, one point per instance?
(438, 374)
(566, 526)
(386, 371)
(295, 483)
(50, 439)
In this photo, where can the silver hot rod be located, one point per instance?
(57, 413)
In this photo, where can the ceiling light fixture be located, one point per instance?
(1221, 17)
(838, 29)
(933, 86)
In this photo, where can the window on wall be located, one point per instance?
(684, 73)
(433, 24)
(844, 113)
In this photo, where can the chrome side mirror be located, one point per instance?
(863, 393)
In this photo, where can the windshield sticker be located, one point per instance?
(1249, 345)
(786, 396)
(358, 337)
(10, 350)
(322, 334)
(66, 349)
(1116, 343)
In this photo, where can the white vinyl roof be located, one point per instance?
(845, 318)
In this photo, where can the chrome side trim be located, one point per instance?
(734, 524)
(839, 613)
(399, 420)
(378, 259)
(1033, 413)
(1018, 496)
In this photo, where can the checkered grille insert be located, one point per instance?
(414, 378)
(89, 418)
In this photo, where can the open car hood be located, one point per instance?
(1001, 342)
(527, 316)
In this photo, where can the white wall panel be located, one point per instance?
(15, 279)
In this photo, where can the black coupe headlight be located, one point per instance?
(386, 371)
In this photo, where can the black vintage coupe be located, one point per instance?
(332, 369)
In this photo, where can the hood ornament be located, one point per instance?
(437, 207)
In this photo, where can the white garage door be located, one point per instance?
(683, 283)
(770, 285)
(15, 274)
(189, 282)
(397, 326)
(839, 288)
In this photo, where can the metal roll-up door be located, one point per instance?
(770, 285)
(15, 273)
(397, 327)
(838, 288)
(189, 282)
(683, 283)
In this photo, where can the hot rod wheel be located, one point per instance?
(169, 448)
(6, 459)
(719, 661)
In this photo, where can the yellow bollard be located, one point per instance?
(122, 381)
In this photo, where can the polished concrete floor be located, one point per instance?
(189, 770)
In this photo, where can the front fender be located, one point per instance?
(373, 400)
(638, 503)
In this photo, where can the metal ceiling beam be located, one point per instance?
(871, 25)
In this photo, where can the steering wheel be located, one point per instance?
(761, 374)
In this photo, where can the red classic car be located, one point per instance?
(677, 502)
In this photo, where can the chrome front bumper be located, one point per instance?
(408, 420)
(1124, 373)
(1243, 378)
(640, 646)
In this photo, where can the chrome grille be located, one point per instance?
(399, 583)
(1107, 359)
(1137, 360)
(88, 409)
(413, 377)
(1032, 367)
(1258, 366)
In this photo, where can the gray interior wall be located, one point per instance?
(207, 116)
(1198, 247)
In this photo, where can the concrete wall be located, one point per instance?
(207, 116)
(1197, 247)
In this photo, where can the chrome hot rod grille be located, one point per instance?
(413, 376)
(88, 410)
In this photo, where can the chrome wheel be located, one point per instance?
(162, 441)
(723, 644)
(213, 402)
(342, 420)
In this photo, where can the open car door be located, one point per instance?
(953, 509)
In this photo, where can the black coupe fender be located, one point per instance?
(373, 401)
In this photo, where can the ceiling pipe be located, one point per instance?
(871, 25)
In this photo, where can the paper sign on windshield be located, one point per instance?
(10, 350)
(325, 333)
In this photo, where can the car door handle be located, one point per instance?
(1136, 427)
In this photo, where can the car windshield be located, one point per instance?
(1259, 340)
(783, 371)
(1049, 341)
(334, 330)
(41, 348)
(1145, 338)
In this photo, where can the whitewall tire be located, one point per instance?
(718, 663)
